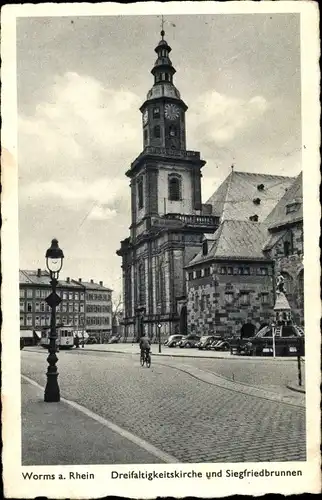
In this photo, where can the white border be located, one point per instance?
(13, 483)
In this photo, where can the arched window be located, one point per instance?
(174, 187)
(141, 273)
(140, 192)
(156, 112)
(157, 131)
(173, 131)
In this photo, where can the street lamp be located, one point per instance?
(54, 262)
(159, 336)
(273, 339)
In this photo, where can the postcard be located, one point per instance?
(160, 172)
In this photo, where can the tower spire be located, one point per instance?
(162, 27)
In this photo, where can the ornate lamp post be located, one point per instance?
(54, 263)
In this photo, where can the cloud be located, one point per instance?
(221, 119)
(82, 130)
(99, 212)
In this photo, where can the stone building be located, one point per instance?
(170, 227)
(98, 309)
(84, 306)
(231, 281)
(34, 288)
(285, 246)
(168, 222)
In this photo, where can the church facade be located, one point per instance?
(200, 268)
(168, 222)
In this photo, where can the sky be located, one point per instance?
(80, 83)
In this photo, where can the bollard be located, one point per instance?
(299, 370)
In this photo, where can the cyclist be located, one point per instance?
(145, 345)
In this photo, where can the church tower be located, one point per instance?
(167, 220)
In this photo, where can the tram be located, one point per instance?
(65, 337)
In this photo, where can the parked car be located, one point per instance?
(91, 340)
(190, 341)
(222, 345)
(114, 339)
(173, 340)
(207, 340)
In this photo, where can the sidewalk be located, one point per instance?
(60, 434)
(129, 348)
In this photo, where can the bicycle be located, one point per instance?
(145, 358)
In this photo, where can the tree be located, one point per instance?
(117, 309)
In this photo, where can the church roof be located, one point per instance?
(243, 195)
(290, 207)
(235, 239)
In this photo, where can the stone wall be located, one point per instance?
(222, 303)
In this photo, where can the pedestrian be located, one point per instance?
(76, 342)
(83, 342)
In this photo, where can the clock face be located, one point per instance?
(171, 111)
(145, 117)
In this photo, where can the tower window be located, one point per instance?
(142, 289)
(205, 247)
(156, 112)
(173, 131)
(145, 135)
(157, 131)
(166, 77)
(174, 187)
(140, 192)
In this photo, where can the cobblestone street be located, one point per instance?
(184, 417)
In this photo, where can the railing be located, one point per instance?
(152, 150)
(186, 220)
(204, 220)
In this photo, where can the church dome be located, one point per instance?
(164, 89)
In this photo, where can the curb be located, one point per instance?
(145, 445)
(244, 358)
(296, 388)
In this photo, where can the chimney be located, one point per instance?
(80, 280)
(101, 283)
(92, 281)
(38, 272)
(68, 280)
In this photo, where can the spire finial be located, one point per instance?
(162, 27)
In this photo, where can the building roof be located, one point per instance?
(235, 239)
(34, 277)
(273, 238)
(91, 285)
(234, 199)
(42, 277)
(294, 195)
